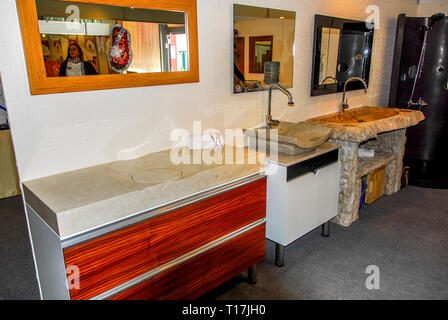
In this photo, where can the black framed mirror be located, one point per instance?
(342, 49)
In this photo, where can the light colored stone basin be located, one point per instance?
(150, 171)
(291, 138)
(365, 114)
(76, 201)
(156, 175)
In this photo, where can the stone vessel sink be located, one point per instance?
(364, 114)
(291, 138)
(365, 123)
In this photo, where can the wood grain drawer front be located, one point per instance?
(120, 256)
(204, 272)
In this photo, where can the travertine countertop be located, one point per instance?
(362, 131)
(77, 201)
(74, 202)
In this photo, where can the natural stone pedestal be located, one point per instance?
(381, 129)
(389, 151)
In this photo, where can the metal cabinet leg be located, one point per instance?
(326, 229)
(252, 274)
(279, 255)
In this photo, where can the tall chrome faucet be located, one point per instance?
(271, 78)
(269, 121)
(344, 104)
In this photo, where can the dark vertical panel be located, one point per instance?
(426, 146)
(397, 60)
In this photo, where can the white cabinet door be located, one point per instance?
(300, 207)
(276, 204)
(327, 192)
(301, 199)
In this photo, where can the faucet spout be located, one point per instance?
(286, 92)
(269, 121)
(271, 78)
(344, 105)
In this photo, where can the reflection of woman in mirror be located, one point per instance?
(74, 65)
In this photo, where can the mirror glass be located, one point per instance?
(110, 39)
(342, 49)
(260, 51)
(260, 35)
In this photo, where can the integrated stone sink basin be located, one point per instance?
(75, 201)
(156, 175)
(365, 123)
(360, 115)
(150, 172)
(177, 167)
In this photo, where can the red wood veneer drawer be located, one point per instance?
(120, 256)
(199, 275)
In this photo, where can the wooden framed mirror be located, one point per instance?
(122, 43)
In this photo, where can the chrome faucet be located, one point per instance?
(344, 104)
(271, 78)
(269, 121)
(254, 84)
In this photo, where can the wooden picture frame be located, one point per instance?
(41, 84)
(252, 43)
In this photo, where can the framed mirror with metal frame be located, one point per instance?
(342, 49)
(81, 45)
(261, 35)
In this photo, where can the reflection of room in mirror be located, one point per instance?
(55, 48)
(353, 54)
(260, 51)
(342, 50)
(239, 52)
(329, 55)
(158, 38)
(257, 23)
(179, 48)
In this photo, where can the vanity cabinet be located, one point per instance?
(301, 197)
(177, 254)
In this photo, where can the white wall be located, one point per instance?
(427, 8)
(62, 132)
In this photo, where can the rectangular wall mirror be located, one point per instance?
(261, 35)
(103, 44)
(342, 49)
